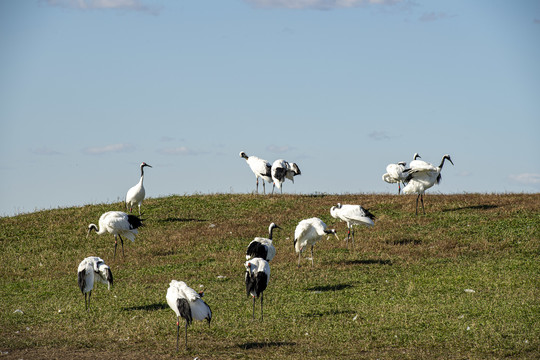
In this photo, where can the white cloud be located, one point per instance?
(526, 178)
(433, 16)
(108, 149)
(130, 5)
(320, 4)
(180, 150)
(279, 149)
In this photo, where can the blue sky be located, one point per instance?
(91, 88)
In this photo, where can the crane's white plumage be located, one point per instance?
(257, 277)
(186, 303)
(421, 176)
(308, 232)
(262, 247)
(260, 167)
(136, 194)
(119, 224)
(91, 270)
(395, 173)
(282, 170)
(352, 215)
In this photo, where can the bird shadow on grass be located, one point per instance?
(473, 207)
(265, 344)
(336, 287)
(369, 262)
(405, 241)
(328, 313)
(173, 219)
(150, 307)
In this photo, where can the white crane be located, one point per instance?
(186, 303)
(352, 215)
(257, 278)
(260, 167)
(135, 195)
(282, 170)
(93, 269)
(395, 173)
(262, 247)
(119, 224)
(309, 232)
(421, 176)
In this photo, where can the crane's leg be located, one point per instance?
(262, 297)
(273, 187)
(422, 200)
(186, 333)
(253, 307)
(139, 209)
(311, 255)
(85, 303)
(399, 188)
(417, 204)
(122, 242)
(257, 186)
(352, 236)
(177, 331)
(115, 245)
(89, 295)
(299, 254)
(264, 188)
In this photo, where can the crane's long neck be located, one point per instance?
(442, 162)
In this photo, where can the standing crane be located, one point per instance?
(119, 224)
(135, 195)
(395, 173)
(352, 215)
(262, 247)
(421, 176)
(257, 277)
(260, 167)
(93, 269)
(187, 304)
(309, 232)
(282, 170)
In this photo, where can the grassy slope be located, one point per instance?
(400, 294)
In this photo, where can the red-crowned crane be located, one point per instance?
(260, 167)
(262, 247)
(308, 232)
(135, 195)
(119, 224)
(257, 277)
(395, 173)
(91, 270)
(187, 304)
(282, 170)
(421, 176)
(352, 215)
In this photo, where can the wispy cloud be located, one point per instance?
(435, 16)
(379, 135)
(320, 4)
(114, 148)
(45, 151)
(526, 178)
(279, 149)
(180, 150)
(124, 5)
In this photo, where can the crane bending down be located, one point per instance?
(421, 176)
(119, 224)
(395, 173)
(93, 269)
(260, 167)
(262, 247)
(282, 170)
(257, 277)
(352, 215)
(187, 304)
(136, 194)
(307, 233)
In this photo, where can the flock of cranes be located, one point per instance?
(186, 302)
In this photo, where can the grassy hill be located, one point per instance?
(461, 281)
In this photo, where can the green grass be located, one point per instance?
(399, 295)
